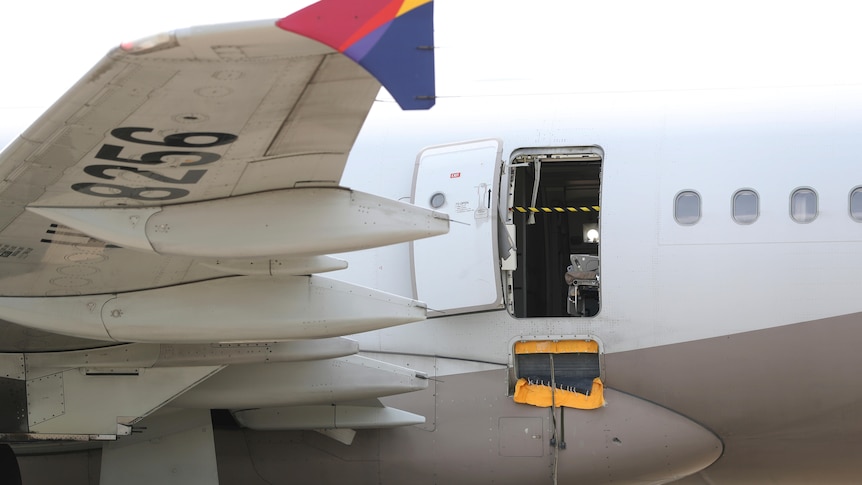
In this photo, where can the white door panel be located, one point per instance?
(459, 271)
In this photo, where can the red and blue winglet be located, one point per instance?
(392, 39)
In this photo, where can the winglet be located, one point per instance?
(391, 39)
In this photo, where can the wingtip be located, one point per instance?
(392, 39)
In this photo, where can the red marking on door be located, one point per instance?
(454, 175)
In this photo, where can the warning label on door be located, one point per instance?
(463, 207)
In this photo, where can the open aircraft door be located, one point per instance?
(459, 271)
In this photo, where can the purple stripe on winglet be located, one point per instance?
(361, 47)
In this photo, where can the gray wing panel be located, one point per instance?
(199, 114)
(208, 113)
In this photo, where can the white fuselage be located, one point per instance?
(662, 282)
(747, 329)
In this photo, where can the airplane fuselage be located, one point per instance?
(705, 241)
(732, 325)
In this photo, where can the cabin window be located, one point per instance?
(856, 204)
(686, 209)
(803, 205)
(554, 227)
(745, 206)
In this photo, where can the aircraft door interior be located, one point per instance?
(555, 211)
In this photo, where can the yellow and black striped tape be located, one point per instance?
(592, 208)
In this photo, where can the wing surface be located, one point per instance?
(172, 124)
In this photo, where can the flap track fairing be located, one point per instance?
(291, 222)
(236, 309)
(326, 416)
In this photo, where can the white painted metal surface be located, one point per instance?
(301, 265)
(327, 417)
(136, 356)
(243, 308)
(459, 272)
(342, 380)
(72, 402)
(180, 439)
(294, 222)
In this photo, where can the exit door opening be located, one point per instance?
(554, 201)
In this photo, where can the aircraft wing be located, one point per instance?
(186, 168)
